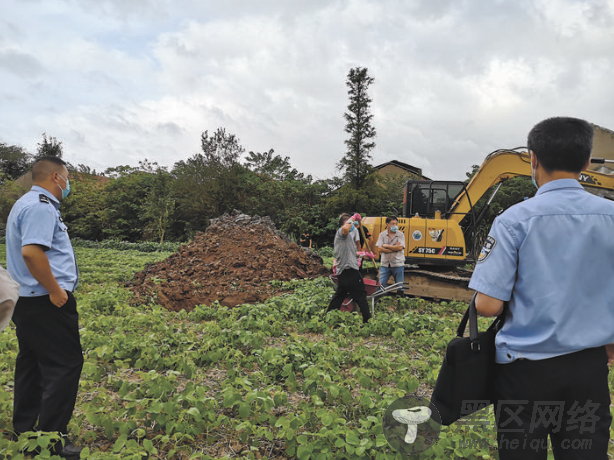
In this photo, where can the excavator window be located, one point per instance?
(426, 197)
(419, 202)
(439, 200)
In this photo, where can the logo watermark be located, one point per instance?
(535, 445)
(411, 425)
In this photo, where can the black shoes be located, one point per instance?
(70, 451)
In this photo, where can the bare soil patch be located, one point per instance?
(233, 262)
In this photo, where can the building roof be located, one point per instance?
(597, 127)
(407, 167)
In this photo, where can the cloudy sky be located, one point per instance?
(118, 81)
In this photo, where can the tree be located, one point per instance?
(50, 147)
(210, 183)
(271, 165)
(348, 199)
(159, 206)
(85, 209)
(221, 150)
(9, 193)
(355, 164)
(276, 189)
(392, 185)
(86, 169)
(124, 201)
(116, 172)
(14, 161)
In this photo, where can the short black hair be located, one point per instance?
(342, 218)
(45, 166)
(390, 219)
(562, 143)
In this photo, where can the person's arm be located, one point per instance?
(6, 313)
(494, 275)
(610, 351)
(370, 243)
(393, 247)
(488, 306)
(379, 245)
(38, 264)
(345, 228)
(9, 293)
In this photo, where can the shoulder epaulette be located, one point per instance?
(44, 198)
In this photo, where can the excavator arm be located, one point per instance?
(505, 164)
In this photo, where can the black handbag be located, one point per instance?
(466, 379)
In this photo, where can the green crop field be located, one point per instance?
(271, 380)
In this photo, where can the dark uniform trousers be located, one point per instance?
(48, 364)
(351, 284)
(565, 397)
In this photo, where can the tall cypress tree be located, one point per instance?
(356, 163)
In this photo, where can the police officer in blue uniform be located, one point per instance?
(41, 259)
(552, 258)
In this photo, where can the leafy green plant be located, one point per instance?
(279, 379)
(148, 246)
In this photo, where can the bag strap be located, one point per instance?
(471, 315)
(473, 319)
(460, 331)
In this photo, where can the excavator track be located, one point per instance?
(438, 285)
(451, 284)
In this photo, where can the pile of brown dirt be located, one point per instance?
(233, 262)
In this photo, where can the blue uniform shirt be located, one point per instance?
(35, 219)
(552, 257)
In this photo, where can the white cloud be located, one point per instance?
(120, 81)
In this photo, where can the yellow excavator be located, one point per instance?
(440, 222)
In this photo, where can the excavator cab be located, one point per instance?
(430, 237)
(425, 198)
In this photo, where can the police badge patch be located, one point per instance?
(489, 244)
